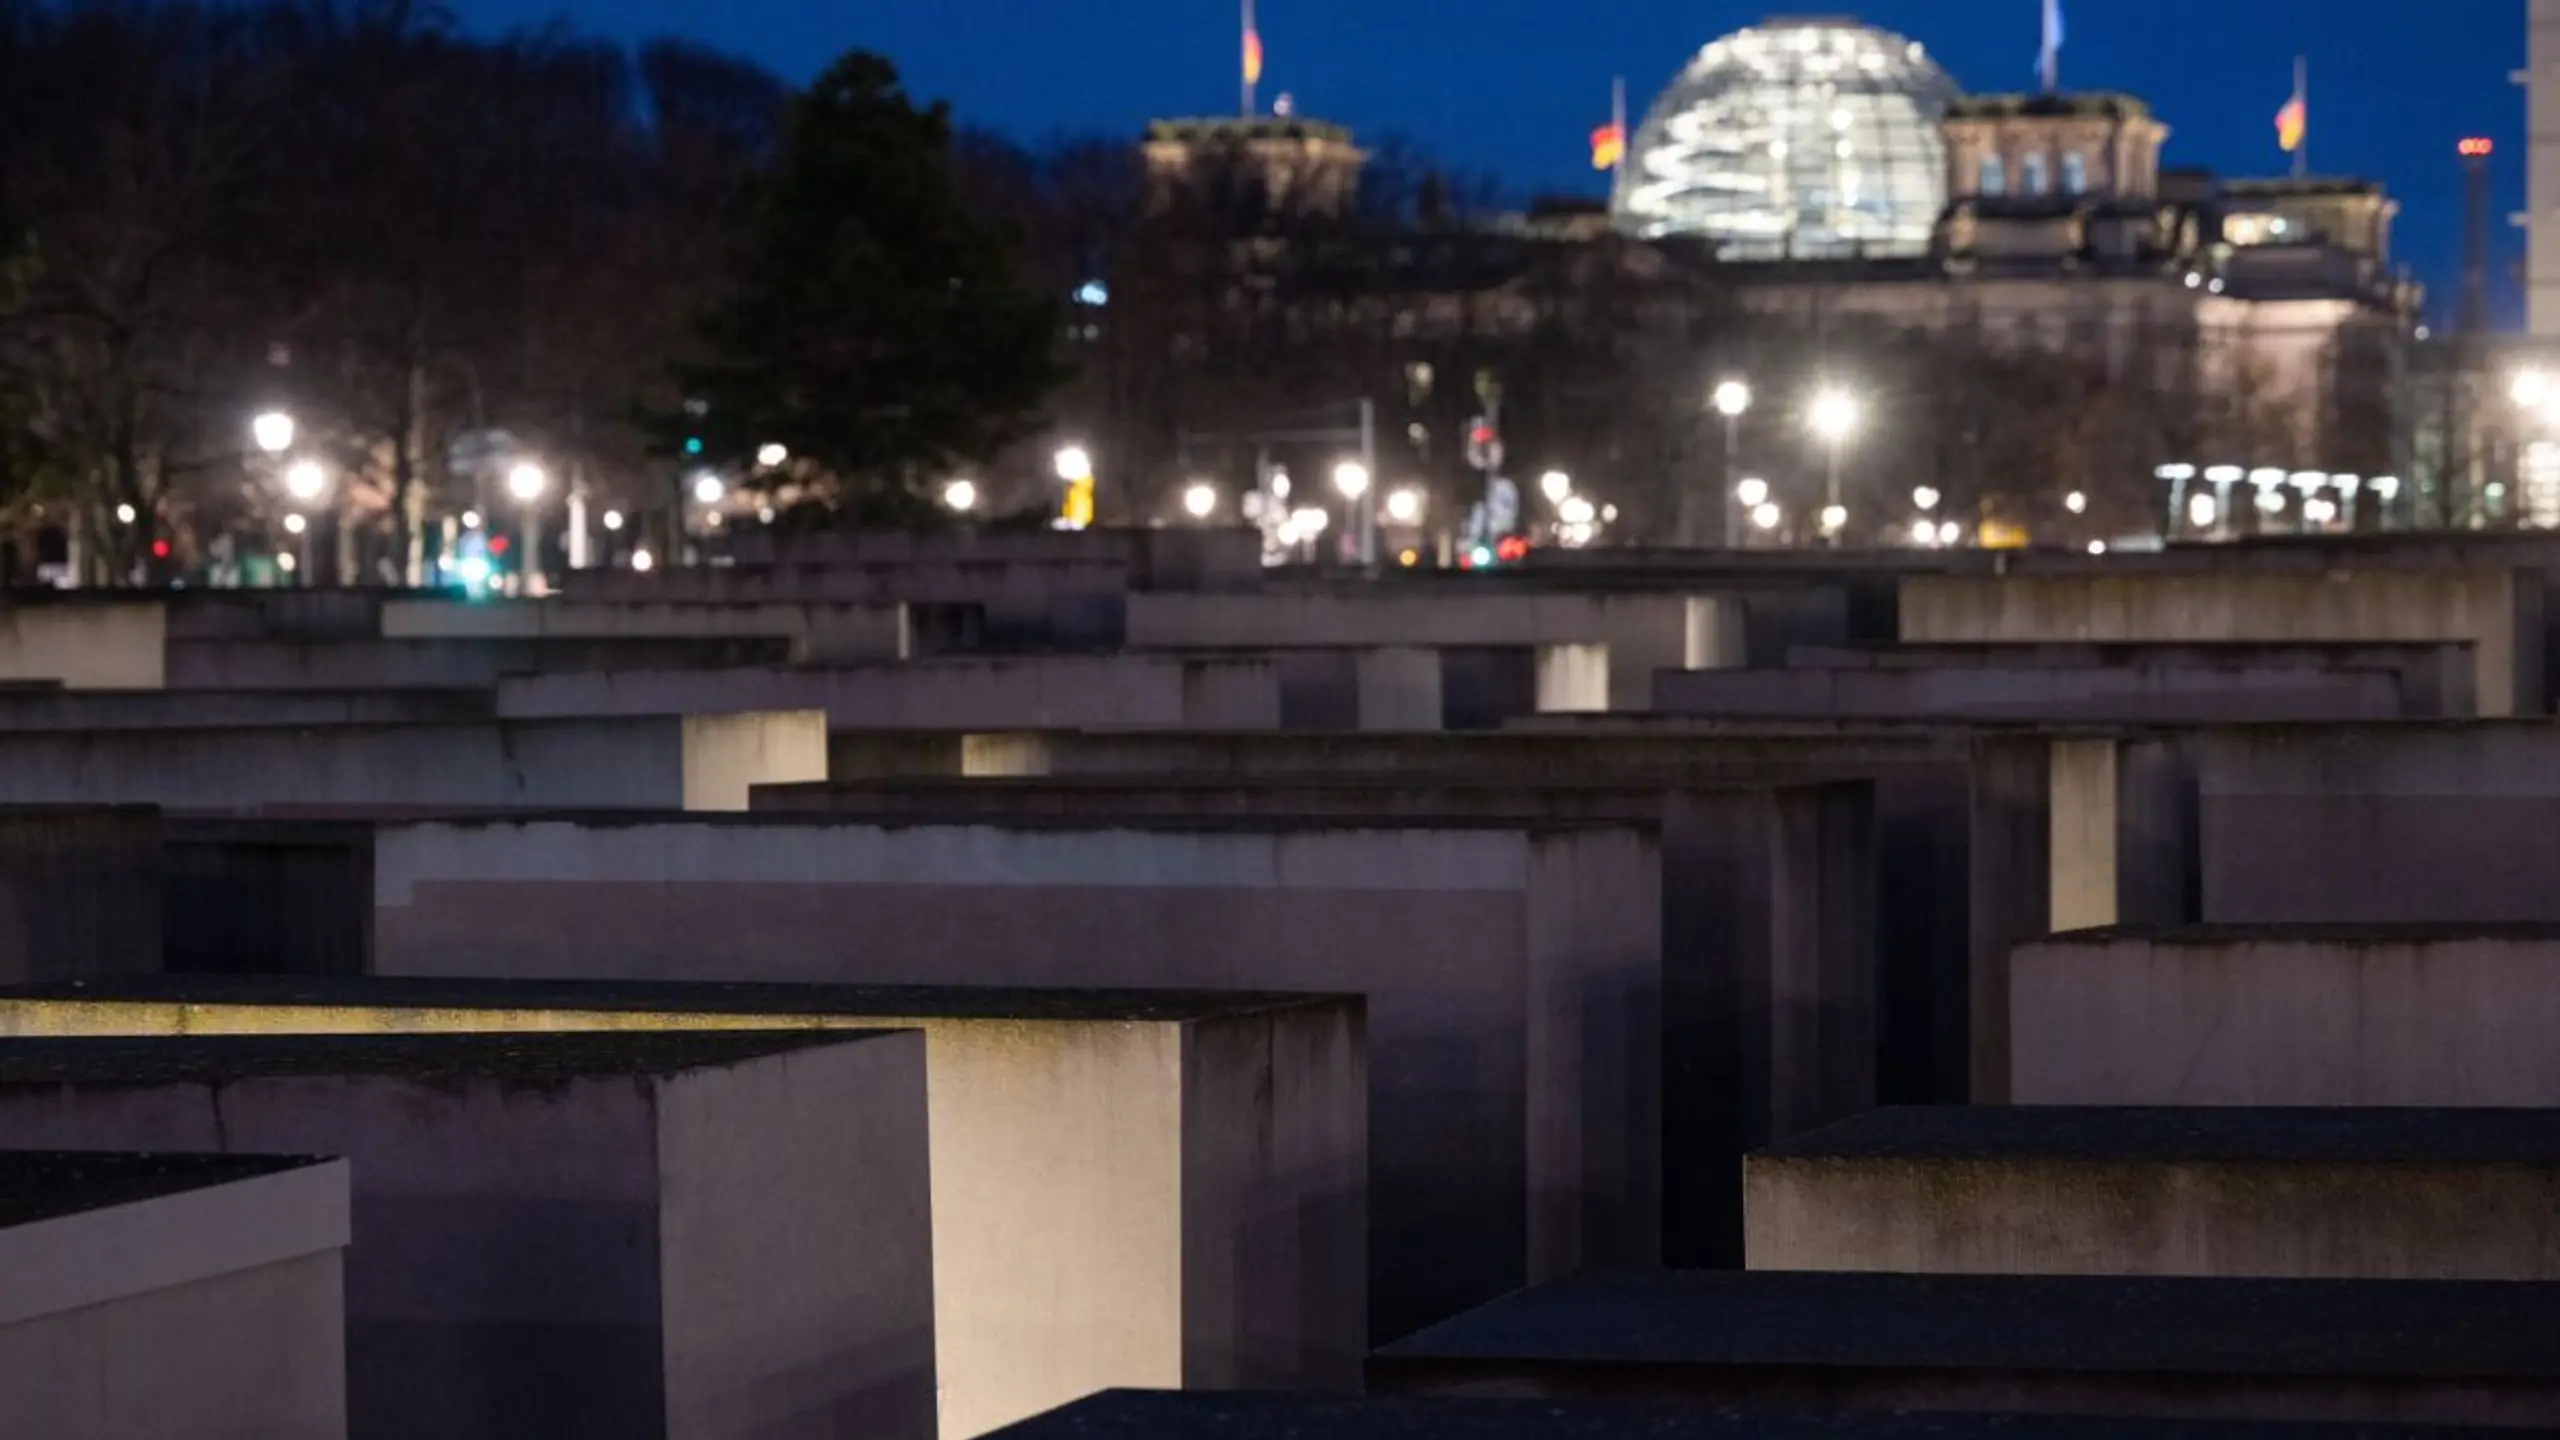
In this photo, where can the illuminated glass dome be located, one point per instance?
(1795, 139)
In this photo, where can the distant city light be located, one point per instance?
(709, 489)
(1765, 515)
(470, 519)
(2097, 547)
(961, 495)
(2202, 512)
(273, 432)
(1577, 511)
(285, 561)
(1924, 532)
(1073, 463)
(527, 481)
(1949, 532)
(1926, 497)
(1753, 493)
(1834, 414)
(294, 524)
(642, 561)
(613, 520)
(1352, 479)
(1555, 485)
(1404, 507)
(1732, 399)
(770, 456)
(304, 480)
(124, 514)
(2076, 502)
(1834, 517)
(1200, 501)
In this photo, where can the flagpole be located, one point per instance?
(2302, 97)
(1618, 118)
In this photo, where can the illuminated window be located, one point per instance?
(2032, 177)
(1995, 175)
(2075, 174)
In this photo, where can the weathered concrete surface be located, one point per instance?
(156, 1297)
(2152, 696)
(438, 663)
(1768, 924)
(2380, 824)
(85, 643)
(655, 763)
(1643, 632)
(819, 632)
(51, 709)
(2343, 1194)
(2409, 1352)
(1162, 1415)
(1054, 603)
(1032, 691)
(2497, 610)
(1514, 975)
(1129, 1188)
(80, 891)
(2435, 677)
(707, 1235)
(2257, 1016)
(1947, 922)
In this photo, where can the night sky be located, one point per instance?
(1511, 88)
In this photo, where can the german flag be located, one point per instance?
(1609, 146)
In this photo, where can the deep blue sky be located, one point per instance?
(1512, 87)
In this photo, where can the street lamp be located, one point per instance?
(1577, 511)
(1555, 485)
(1834, 416)
(304, 480)
(1404, 507)
(961, 496)
(709, 489)
(1353, 479)
(1766, 515)
(1926, 498)
(273, 431)
(772, 456)
(1074, 463)
(1732, 401)
(1835, 518)
(1200, 501)
(527, 481)
(613, 521)
(1753, 493)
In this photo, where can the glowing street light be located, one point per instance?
(961, 496)
(709, 489)
(304, 480)
(125, 514)
(1200, 501)
(1577, 511)
(1073, 463)
(1766, 515)
(1404, 507)
(1732, 401)
(1753, 493)
(772, 456)
(613, 520)
(1924, 531)
(273, 431)
(643, 561)
(2202, 511)
(1926, 497)
(1949, 532)
(1834, 415)
(2076, 502)
(526, 481)
(295, 524)
(1352, 479)
(470, 519)
(2530, 389)
(1555, 485)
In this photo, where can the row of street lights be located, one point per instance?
(1832, 414)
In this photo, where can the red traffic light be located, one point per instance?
(497, 544)
(159, 549)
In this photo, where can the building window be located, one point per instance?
(2075, 174)
(2031, 176)
(1995, 175)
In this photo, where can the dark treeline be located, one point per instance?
(403, 236)
(438, 251)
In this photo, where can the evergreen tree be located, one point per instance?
(875, 327)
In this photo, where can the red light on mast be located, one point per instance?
(2477, 147)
